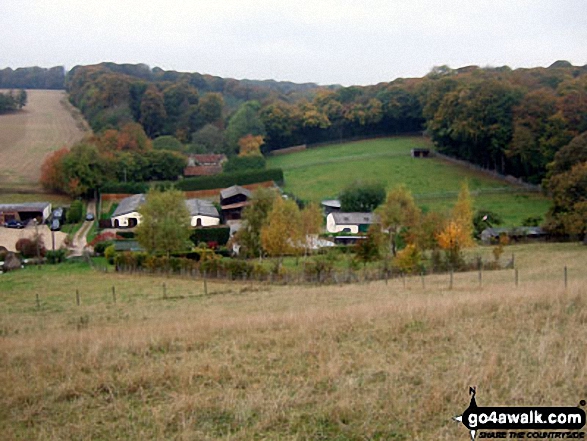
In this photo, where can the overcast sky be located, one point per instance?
(323, 41)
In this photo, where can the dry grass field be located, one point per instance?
(258, 362)
(45, 124)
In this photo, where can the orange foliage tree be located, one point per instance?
(250, 145)
(52, 171)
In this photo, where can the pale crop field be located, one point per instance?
(45, 124)
(258, 362)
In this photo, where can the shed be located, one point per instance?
(233, 200)
(25, 212)
(420, 153)
(330, 206)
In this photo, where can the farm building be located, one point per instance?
(420, 153)
(491, 235)
(202, 213)
(25, 212)
(127, 213)
(204, 165)
(233, 200)
(349, 222)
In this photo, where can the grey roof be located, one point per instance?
(129, 205)
(332, 203)
(201, 207)
(354, 218)
(27, 206)
(233, 191)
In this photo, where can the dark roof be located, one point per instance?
(129, 205)
(236, 205)
(233, 191)
(27, 206)
(353, 218)
(201, 207)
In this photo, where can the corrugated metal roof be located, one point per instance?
(27, 206)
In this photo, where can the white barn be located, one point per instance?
(127, 213)
(349, 222)
(202, 213)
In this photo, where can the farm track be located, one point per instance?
(26, 137)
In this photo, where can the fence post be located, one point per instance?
(566, 278)
(114, 294)
(451, 280)
(205, 285)
(404, 279)
(480, 278)
(516, 275)
(77, 298)
(38, 301)
(423, 281)
(164, 290)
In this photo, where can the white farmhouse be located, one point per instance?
(127, 213)
(202, 213)
(349, 222)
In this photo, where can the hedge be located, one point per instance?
(124, 187)
(219, 235)
(225, 180)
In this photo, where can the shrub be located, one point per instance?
(75, 212)
(220, 235)
(57, 256)
(224, 180)
(110, 253)
(30, 247)
(244, 163)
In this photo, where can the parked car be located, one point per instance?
(13, 223)
(58, 214)
(55, 225)
(89, 217)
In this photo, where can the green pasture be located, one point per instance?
(323, 172)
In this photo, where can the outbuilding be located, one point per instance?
(25, 212)
(202, 213)
(127, 213)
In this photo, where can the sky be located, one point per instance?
(322, 41)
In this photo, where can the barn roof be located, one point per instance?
(201, 207)
(354, 218)
(129, 205)
(24, 207)
(233, 191)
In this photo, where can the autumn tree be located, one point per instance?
(253, 219)
(281, 234)
(165, 222)
(311, 223)
(458, 232)
(398, 212)
(52, 171)
(250, 145)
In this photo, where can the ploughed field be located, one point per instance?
(323, 172)
(45, 124)
(254, 361)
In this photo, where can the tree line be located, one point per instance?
(32, 78)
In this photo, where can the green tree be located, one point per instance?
(153, 113)
(245, 121)
(209, 139)
(167, 142)
(362, 197)
(165, 222)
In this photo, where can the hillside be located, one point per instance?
(44, 125)
(322, 172)
(256, 361)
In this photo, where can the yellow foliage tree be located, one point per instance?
(311, 222)
(282, 234)
(250, 145)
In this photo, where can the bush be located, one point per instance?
(361, 197)
(110, 253)
(239, 268)
(167, 142)
(57, 256)
(30, 247)
(100, 247)
(124, 188)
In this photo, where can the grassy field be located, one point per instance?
(46, 123)
(321, 173)
(265, 362)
